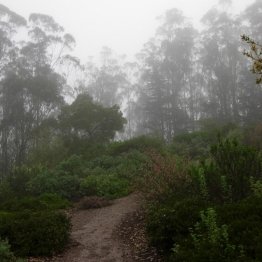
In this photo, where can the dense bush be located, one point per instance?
(6, 255)
(43, 202)
(196, 145)
(49, 182)
(232, 172)
(238, 164)
(163, 176)
(35, 233)
(128, 164)
(113, 176)
(170, 221)
(244, 220)
(231, 233)
(229, 184)
(74, 166)
(105, 185)
(132, 164)
(193, 145)
(141, 143)
(208, 241)
(19, 178)
(208, 183)
(6, 191)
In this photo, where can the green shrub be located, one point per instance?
(21, 204)
(244, 220)
(169, 222)
(256, 187)
(93, 151)
(43, 202)
(44, 182)
(49, 182)
(74, 166)
(141, 143)
(109, 186)
(6, 255)
(54, 201)
(231, 175)
(6, 191)
(96, 171)
(127, 165)
(132, 164)
(208, 241)
(104, 162)
(164, 176)
(193, 145)
(230, 232)
(237, 163)
(19, 177)
(209, 183)
(196, 145)
(35, 234)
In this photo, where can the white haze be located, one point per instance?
(123, 25)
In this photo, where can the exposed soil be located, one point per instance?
(114, 233)
(131, 231)
(94, 229)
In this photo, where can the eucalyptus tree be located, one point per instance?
(129, 98)
(221, 64)
(10, 24)
(105, 82)
(32, 82)
(251, 18)
(86, 122)
(251, 94)
(166, 93)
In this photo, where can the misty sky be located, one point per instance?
(123, 25)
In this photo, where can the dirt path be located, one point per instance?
(93, 229)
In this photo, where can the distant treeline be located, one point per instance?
(181, 76)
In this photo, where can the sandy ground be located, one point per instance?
(93, 231)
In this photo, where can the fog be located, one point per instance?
(122, 25)
(154, 103)
(159, 68)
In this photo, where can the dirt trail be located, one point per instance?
(93, 229)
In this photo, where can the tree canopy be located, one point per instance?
(86, 121)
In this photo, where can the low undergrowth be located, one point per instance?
(208, 209)
(32, 198)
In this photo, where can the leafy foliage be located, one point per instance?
(49, 182)
(43, 202)
(255, 54)
(141, 144)
(35, 233)
(169, 222)
(107, 185)
(209, 242)
(208, 226)
(85, 121)
(5, 253)
(238, 163)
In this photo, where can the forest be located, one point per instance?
(180, 125)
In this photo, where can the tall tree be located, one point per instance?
(86, 122)
(167, 90)
(106, 82)
(31, 85)
(221, 62)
